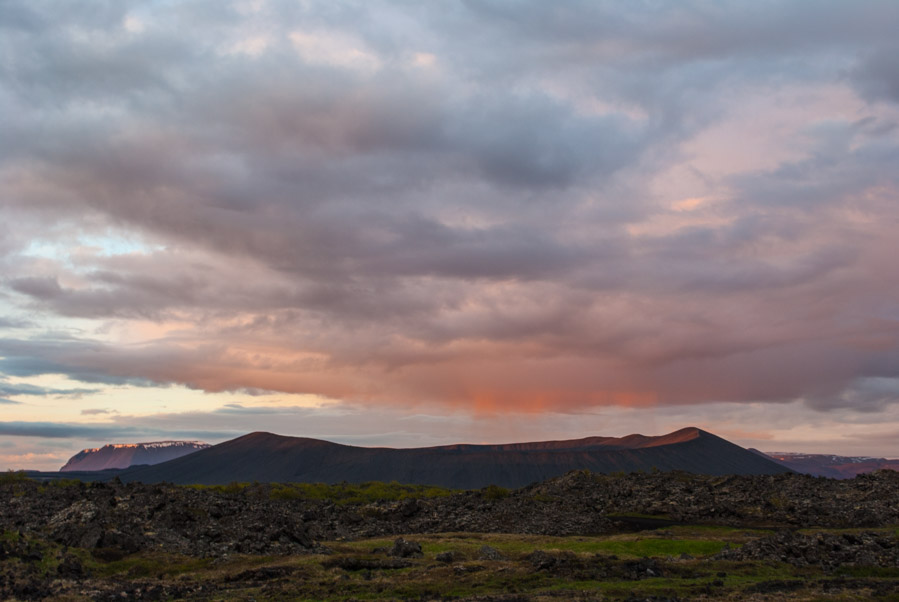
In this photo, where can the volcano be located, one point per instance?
(266, 457)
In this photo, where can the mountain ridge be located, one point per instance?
(268, 457)
(830, 465)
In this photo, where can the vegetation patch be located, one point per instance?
(147, 565)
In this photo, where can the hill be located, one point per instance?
(829, 465)
(124, 455)
(266, 457)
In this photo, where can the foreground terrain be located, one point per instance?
(580, 536)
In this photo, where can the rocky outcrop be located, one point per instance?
(127, 517)
(824, 550)
(121, 519)
(60, 538)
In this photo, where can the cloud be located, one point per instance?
(876, 76)
(106, 432)
(11, 389)
(42, 288)
(498, 228)
(13, 323)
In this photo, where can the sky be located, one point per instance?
(418, 223)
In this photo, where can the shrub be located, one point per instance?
(14, 476)
(495, 492)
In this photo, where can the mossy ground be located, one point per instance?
(341, 493)
(684, 555)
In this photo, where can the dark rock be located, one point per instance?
(70, 567)
(262, 574)
(559, 563)
(406, 549)
(107, 554)
(448, 556)
(776, 586)
(645, 567)
(489, 553)
(355, 563)
(409, 508)
(825, 550)
(540, 560)
(206, 522)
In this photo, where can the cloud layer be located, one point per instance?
(482, 207)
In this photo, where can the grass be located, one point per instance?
(495, 492)
(140, 565)
(365, 493)
(660, 547)
(315, 577)
(468, 545)
(869, 571)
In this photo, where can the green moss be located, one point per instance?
(660, 547)
(308, 579)
(146, 565)
(514, 546)
(542, 497)
(869, 572)
(64, 483)
(13, 476)
(346, 493)
(716, 531)
(231, 488)
(284, 492)
(495, 492)
(342, 493)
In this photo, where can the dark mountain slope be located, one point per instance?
(266, 457)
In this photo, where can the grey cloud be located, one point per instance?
(236, 408)
(694, 29)
(106, 432)
(10, 389)
(13, 323)
(8, 401)
(34, 364)
(832, 176)
(870, 395)
(877, 76)
(42, 288)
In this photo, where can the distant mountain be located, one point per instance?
(827, 465)
(123, 455)
(266, 457)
